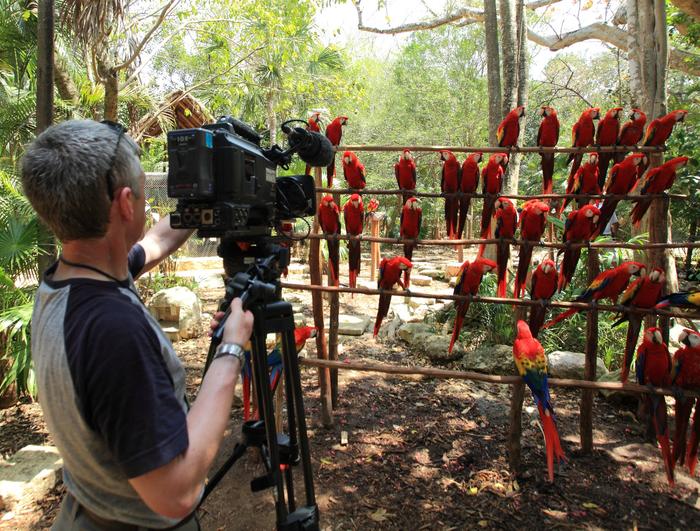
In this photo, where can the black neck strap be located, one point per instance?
(91, 268)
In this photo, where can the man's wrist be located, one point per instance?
(228, 349)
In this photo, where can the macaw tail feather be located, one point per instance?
(658, 409)
(576, 158)
(308, 170)
(635, 325)
(246, 398)
(451, 207)
(330, 172)
(551, 440)
(408, 253)
(406, 196)
(333, 260)
(547, 172)
(354, 261)
(463, 210)
(606, 212)
(691, 456)
(382, 310)
(523, 266)
(603, 163)
(486, 214)
(564, 204)
(640, 208)
(560, 317)
(502, 255)
(459, 320)
(537, 314)
(684, 407)
(568, 267)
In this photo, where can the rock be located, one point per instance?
(436, 348)
(435, 274)
(453, 281)
(491, 359)
(452, 269)
(298, 269)
(408, 332)
(417, 303)
(29, 475)
(402, 311)
(179, 307)
(210, 282)
(353, 325)
(293, 298)
(421, 280)
(618, 397)
(563, 364)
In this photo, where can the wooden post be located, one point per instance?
(586, 408)
(324, 379)
(515, 429)
(333, 331)
(375, 219)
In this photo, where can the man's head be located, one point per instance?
(73, 171)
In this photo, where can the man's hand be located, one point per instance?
(238, 326)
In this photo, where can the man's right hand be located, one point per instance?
(238, 326)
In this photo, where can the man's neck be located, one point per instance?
(100, 254)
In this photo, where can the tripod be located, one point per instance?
(260, 292)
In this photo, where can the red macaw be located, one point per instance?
(354, 214)
(533, 219)
(681, 299)
(506, 223)
(621, 180)
(449, 184)
(655, 181)
(547, 136)
(390, 271)
(354, 171)
(642, 293)
(491, 184)
(409, 229)
(313, 125)
(405, 172)
(582, 135)
(606, 135)
(468, 282)
(469, 182)
(579, 227)
(334, 132)
(660, 129)
(329, 219)
(585, 181)
(653, 368)
(685, 374)
(631, 133)
(543, 285)
(509, 129)
(531, 363)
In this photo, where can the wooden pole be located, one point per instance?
(375, 219)
(515, 429)
(334, 304)
(324, 379)
(586, 408)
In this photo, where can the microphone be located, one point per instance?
(312, 147)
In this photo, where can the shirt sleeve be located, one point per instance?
(137, 259)
(130, 396)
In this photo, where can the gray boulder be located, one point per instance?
(563, 364)
(617, 397)
(491, 359)
(178, 307)
(409, 332)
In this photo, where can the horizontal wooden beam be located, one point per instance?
(514, 149)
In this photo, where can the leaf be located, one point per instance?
(380, 515)
(590, 505)
(473, 491)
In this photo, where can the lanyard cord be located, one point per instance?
(91, 268)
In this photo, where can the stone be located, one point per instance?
(210, 282)
(351, 325)
(402, 311)
(436, 348)
(564, 364)
(491, 359)
(180, 307)
(435, 274)
(29, 475)
(421, 280)
(452, 269)
(409, 331)
(618, 397)
(418, 302)
(452, 282)
(298, 269)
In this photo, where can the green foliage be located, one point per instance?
(151, 284)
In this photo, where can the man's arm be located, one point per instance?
(161, 241)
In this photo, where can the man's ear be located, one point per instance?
(125, 203)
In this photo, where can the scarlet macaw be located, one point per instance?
(354, 214)
(653, 368)
(606, 285)
(606, 135)
(506, 223)
(631, 132)
(681, 299)
(543, 285)
(449, 184)
(354, 171)
(685, 374)
(334, 132)
(329, 219)
(509, 129)
(660, 129)
(547, 136)
(531, 363)
(655, 181)
(579, 227)
(469, 182)
(582, 135)
(585, 181)
(411, 217)
(390, 271)
(492, 183)
(405, 173)
(468, 282)
(313, 125)
(532, 224)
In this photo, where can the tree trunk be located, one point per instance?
(493, 68)
(692, 236)
(513, 178)
(271, 117)
(633, 56)
(111, 82)
(64, 84)
(510, 55)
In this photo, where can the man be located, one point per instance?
(612, 227)
(110, 385)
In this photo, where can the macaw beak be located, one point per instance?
(681, 117)
(684, 337)
(596, 218)
(657, 338)
(642, 271)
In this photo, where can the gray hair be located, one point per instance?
(65, 171)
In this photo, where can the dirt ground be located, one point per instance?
(426, 454)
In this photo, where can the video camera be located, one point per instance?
(226, 184)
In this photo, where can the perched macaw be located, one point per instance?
(354, 171)
(329, 219)
(642, 293)
(660, 129)
(509, 129)
(585, 181)
(531, 362)
(491, 184)
(582, 135)
(606, 135)
(405, 173)
(685, 374)
(390, 272)
(468, 184)
(631, 133)
(579, 227)
(449, 184)
(411, 217)
(354, 214)
(543, 285)
(681, 299)
(606, 285)
(313, 125)
(334, 132)
(506, 223)
(621, 180)
(653, 368)
(547, 136)
(533, 218)
(468, 282)
(655, 181)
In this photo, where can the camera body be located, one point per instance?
(227, 185)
